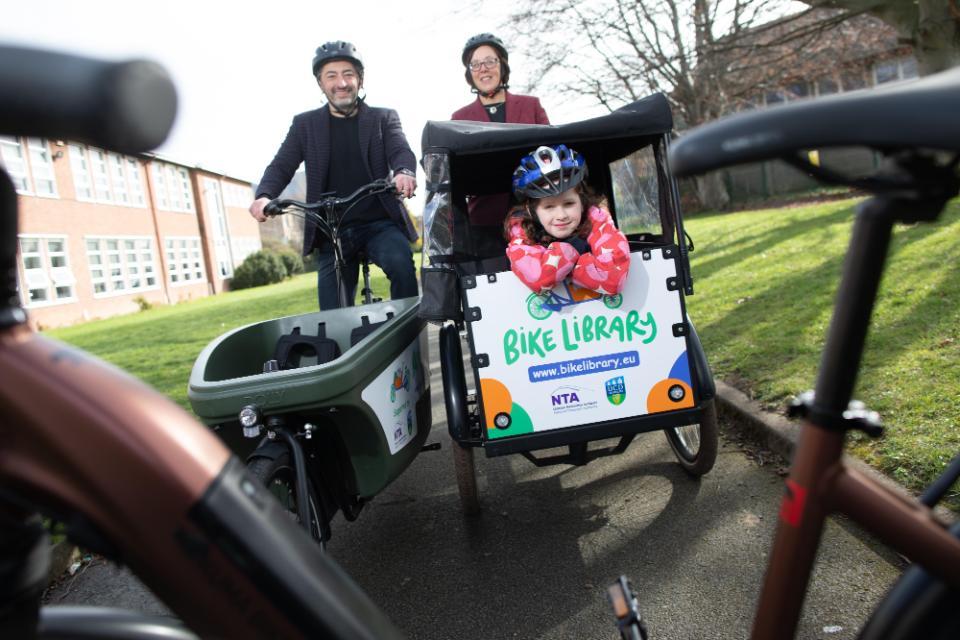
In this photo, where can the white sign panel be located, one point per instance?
(393, 396)
(574, 357)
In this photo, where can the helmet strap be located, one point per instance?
(489, 94)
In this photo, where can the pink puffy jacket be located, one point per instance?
(604, 269)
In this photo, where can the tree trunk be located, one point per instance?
(711, 191)
(932, 27)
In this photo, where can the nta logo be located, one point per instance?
(560, 399)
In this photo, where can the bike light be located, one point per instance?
(250, 421)
(676, 393)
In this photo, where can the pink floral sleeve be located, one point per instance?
(539, 267)
(605, 268)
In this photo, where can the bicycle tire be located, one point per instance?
(695, 446)
(279, 477)
(466, 478)
(916, 606)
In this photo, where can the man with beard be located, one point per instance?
(346, 144)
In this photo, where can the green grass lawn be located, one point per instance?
(765, 283)
(159, 345)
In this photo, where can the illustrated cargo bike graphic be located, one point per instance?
(571, 366)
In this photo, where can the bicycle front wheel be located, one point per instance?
(917, 606)
(695, 445)
(280, 479)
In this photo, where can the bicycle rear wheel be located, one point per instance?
(917, 606)
(695, 445)
(280, 479)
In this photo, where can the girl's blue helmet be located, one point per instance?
(549, 171)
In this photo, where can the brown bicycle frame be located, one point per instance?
(820, 483)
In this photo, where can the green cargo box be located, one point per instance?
(376, 394)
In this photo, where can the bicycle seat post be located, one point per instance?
(859, 283)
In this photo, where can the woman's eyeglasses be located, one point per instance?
(486, 63)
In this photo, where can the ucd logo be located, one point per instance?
(616, 390)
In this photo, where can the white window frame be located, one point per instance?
(174, 191)
(26, 159)
(125, 265)
(49, 276)
(105, 176)
(181, 251)
(237, 195)
(899, 64)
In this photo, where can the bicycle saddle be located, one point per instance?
(916, 114)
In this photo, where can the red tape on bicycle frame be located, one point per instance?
(794, 500)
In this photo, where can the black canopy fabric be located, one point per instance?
(649, 116)
(463, 158)
(483, 155)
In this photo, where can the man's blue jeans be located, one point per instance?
(386, 246)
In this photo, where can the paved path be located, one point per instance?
(536, 562)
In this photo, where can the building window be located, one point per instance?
(827, 85)
(29, 164)
(184, 260)
(894, 70)
(47, 277)
(135, 182)
(99, 176)
(236, 195)
(118, 176)
(851, 81)
(121, 265)
(174, 192)
(41, 166)
(79, 165)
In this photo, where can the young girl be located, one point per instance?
(560, 228)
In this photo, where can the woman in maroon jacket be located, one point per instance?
(487, 71)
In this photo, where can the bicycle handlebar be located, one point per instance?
(383, 185)
(913, 115)
(125, 106)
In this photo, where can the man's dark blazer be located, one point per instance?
(382, 146)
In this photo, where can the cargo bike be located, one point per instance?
(572, 367)
(332, 405)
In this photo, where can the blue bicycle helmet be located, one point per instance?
(549, 171)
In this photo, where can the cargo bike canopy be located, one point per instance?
(626, 158)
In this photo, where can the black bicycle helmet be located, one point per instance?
(495, 42)
(337, 50)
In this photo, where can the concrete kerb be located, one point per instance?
(779, 434)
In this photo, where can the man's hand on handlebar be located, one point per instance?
(405, 184)
(256, 209)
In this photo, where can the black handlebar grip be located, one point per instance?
(125, 106)
(272, 209)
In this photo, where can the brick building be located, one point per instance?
(100, 231)
(858, 53)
